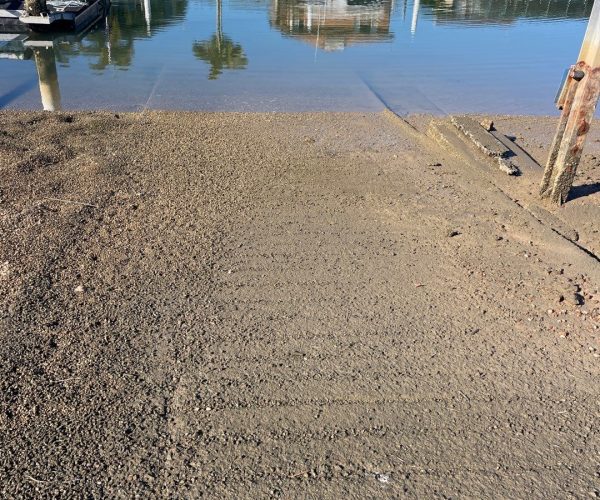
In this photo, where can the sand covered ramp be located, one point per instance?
(284, 305)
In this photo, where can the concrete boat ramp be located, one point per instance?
(512, 167)
(290, 306)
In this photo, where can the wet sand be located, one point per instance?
(290, 305)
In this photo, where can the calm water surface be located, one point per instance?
(440, 56)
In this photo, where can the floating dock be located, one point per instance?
(59, 15)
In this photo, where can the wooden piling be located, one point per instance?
(35, 7)
(578, 103)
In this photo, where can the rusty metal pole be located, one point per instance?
(35, 7)
(577, 100)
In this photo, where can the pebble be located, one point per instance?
(79, 289)
(487, 124)
(382, 478)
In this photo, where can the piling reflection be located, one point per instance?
(332, 25)
(42, 52)
(220, 51)
(45, 63)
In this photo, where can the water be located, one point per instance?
(435, 56)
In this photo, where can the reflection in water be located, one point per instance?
(45, 63)
(148, 16)
(127, 21)
(415, 17)
(220, 51)
(109, 44)
(136, 32)
(479, 12)
(44, 56)
(333, 24)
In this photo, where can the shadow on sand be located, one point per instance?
(584, 190)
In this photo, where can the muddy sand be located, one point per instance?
(295, 306)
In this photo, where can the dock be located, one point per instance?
(50, 15)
